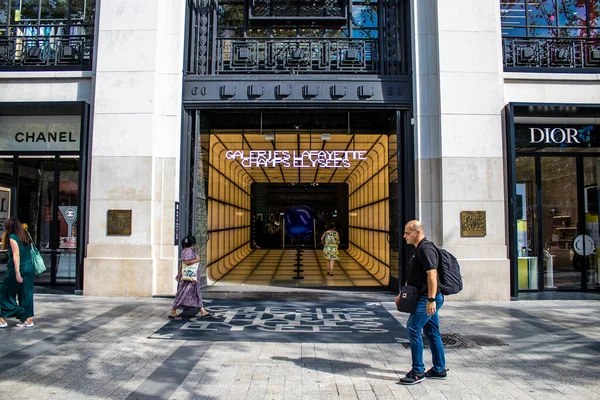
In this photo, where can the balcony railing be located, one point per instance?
(522, 54)
(30, 49)
(268, 55)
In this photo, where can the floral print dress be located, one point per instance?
(331, 242)
(188, 293)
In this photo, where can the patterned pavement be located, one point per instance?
(101, 348)
(287, 321)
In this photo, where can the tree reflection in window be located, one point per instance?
(362, 22)
(364, 19)
(297, 8)
(550, 18)
(39, 12)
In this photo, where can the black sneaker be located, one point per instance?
(431, 374)
(412, 378)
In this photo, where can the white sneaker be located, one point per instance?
(3, 325)
(25, 325)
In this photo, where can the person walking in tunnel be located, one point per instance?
(188, 292)
(422, 274)
(331, 241)
(18, 281)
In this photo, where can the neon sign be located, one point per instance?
(302, 159)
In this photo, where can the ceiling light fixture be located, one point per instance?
(325, 136)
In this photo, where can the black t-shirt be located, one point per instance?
(424, 258)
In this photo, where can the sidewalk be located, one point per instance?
(126, 348)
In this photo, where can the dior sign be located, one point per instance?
(554, 135)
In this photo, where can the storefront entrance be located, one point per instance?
(46, 199)
(550, 257)
(265, 198)
(42, 181)
(555, 238)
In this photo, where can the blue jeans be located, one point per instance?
(429, 324)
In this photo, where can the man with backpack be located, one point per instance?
(423, 274)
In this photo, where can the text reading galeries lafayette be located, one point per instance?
(301, 159)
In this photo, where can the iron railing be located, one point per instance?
(268, 55)
(29, 48)
(523, 53)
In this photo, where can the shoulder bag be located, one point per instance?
(407, 299)
(189, 272)
(36, 258)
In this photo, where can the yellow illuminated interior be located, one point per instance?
(369, 211)
(229, 202)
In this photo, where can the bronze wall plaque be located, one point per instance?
(118, 223)
(472, 224)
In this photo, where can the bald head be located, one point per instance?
(415, 225)
(413, 232)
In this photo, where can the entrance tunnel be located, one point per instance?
(270, 195)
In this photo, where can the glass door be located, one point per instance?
(6, 182)
(559, 216)
(590, 260)
(528, 260)
(47, 196)
(67, 219)
(559, 245)
(35, 200)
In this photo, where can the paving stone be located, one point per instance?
(333, 394)
(274, 391)
(115, 359)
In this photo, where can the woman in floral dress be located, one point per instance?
(331, 241)
(188, 292)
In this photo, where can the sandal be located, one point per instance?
(208, 315)
(175, 317)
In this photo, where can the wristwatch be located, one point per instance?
(431, 299)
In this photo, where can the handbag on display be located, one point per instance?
(407, 299)
(189, 272)
(36, 258)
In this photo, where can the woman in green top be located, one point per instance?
(331, 241)
(18, 280)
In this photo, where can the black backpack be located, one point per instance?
(449, 278)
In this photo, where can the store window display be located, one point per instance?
(556, 196)
(43, 33)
